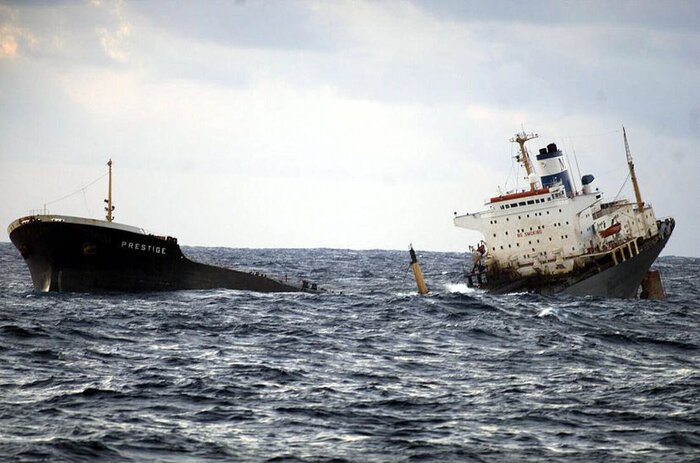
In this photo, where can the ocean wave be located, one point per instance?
(371, 372)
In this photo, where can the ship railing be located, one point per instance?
(619, 253)
(475, 278)
(304, 284)
(42, 211)
(609, 208)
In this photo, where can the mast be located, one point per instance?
(109, 207)
(630, 164)
(520, 139)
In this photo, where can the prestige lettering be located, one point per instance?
(143, 247)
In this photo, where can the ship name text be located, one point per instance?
(143, 247)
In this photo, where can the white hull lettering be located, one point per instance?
(143, 247)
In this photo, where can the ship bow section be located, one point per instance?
(70, 255)
(83, 255)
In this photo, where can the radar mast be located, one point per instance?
(524, 157)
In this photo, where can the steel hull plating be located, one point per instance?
(620, 281)
(617, 281)
(81, 257)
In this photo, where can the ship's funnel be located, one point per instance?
(552, 168)
(587, 182)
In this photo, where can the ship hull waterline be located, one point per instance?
(79, 257)
(619, 281)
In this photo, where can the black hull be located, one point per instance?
(63, 255)
(621, 280)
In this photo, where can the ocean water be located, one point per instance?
(371, 372)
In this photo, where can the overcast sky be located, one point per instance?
(339, 124)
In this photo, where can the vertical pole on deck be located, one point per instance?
(633, 175)
(109, 207)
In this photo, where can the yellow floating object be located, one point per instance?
(417, 273)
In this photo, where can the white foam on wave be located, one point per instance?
(546, 311)
(414, 293)
(461, 288)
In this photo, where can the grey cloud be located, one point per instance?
(671, 15)
(65, 31)
(271, 24)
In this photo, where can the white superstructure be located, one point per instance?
(552, 228)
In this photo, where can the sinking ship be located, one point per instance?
(551, 238)
(79, 254)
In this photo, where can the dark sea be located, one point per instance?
(370, 372)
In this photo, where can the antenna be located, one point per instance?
(521, 138)
(578, 169)
(633, 176)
